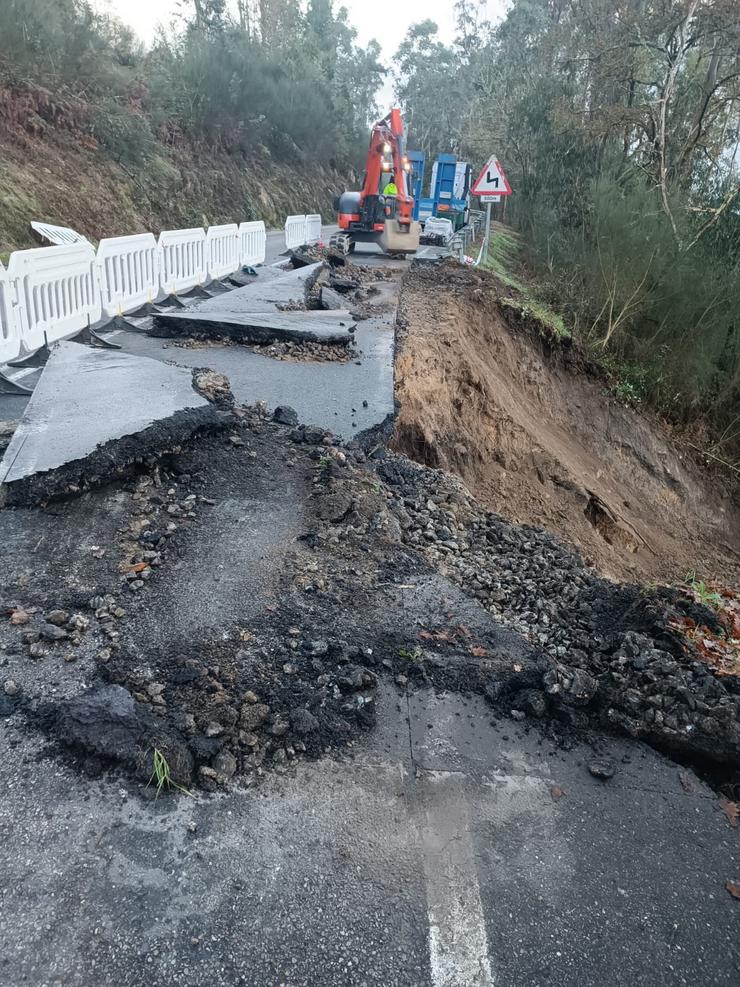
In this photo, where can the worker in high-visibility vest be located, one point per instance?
(391, 188)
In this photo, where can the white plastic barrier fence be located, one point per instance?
(56, 291)
(223, 250)
(10, 345)
(252, 243)
(313, 228)
(182, 259)
(58, 235)
(51, 293)
(295, 232)
(128, 268)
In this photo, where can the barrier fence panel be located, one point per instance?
(51, 293)
(295, 232)
(58, 235)
(252, 243)
(56, 290)
(182, 259)
(10, 346)
(223, 250)
(313, 228)
(128, 268)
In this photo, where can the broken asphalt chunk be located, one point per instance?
(92, 414)
(332, 328)
(109, 724)
(602, 768)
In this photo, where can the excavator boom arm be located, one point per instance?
(387, 137)
(368, 216)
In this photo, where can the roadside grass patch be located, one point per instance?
(504, 258)
(540, 313)
(162, 775)
(702, 593)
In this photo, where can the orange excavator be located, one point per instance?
(382, 212)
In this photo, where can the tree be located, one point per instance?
(619, 124)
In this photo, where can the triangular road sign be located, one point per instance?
(492, 180)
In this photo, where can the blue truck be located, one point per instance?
(449, 189)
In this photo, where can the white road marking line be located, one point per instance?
(458, 942)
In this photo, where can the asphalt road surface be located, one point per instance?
(451, 848)
(436, 856)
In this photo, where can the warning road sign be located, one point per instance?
(492, 180)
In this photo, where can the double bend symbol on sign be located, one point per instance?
(492, 180)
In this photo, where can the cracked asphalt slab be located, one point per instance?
(346, 398)
(331, 395)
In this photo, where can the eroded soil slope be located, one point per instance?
(532, 429)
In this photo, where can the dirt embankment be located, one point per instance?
(533, 430)
(50, 169)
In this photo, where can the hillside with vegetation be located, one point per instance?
(223, 117)
(619, 126)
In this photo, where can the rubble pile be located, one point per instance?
(615, 655)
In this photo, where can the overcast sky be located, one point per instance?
(385, 20)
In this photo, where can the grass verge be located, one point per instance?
(504, 259)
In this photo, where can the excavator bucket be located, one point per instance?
(400, 239)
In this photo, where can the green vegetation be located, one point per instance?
(702, 592)
(287, 81)
(504, 259)
(630, 379)
(619, 128)
(162, 775)
(414, 656)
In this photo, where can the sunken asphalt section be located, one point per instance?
(326, 328)
(346, 398)
(451, 846)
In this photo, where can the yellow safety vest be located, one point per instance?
(390, 189)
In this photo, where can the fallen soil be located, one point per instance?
(234, 604)
(246, 593)
(232, 601)
(522, 417)
(300, 352)
(617, 655)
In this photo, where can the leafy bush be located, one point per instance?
(126, 136)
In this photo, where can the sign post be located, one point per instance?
(490, 186)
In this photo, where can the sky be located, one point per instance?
(385, 20)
